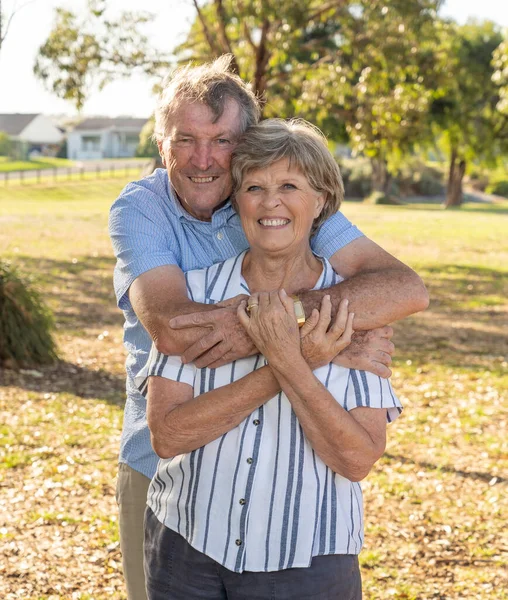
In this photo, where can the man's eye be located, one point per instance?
(223, 141)
(183, 141)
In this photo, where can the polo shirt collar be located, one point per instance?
(223, 214)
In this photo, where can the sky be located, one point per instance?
(21, 92)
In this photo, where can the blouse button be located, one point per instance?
(250, 461)
(238, 542)
(242, 501)
(256, 422)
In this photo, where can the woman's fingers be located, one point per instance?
(287, 301)
(325, 315)
(243, 317)
(341, 319)
(348, 329)
(310, 323)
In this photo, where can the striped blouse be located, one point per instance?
(259, 498)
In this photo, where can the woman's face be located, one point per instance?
(277, 207)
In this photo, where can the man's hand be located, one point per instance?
(226, 341)
(320, 341)
(369, 351)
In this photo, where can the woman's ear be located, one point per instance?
(320, 202)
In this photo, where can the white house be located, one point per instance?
(34, 132)
(102, 137)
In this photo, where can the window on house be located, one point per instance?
(91, 143)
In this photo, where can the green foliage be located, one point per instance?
(147, 147)
(25, 322)
(5, 144)
(357, 177)
(466, 119)
(499, 188)
(419, 179)
(82, 54)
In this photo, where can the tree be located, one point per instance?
(82, 54)
(469, 115)
(366, 70)
(6, 21)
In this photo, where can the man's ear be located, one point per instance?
(160, 146)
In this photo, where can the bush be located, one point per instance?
(25, 323)
(357, 177)
(5, 144)
(416, 178)
(377, 197)
(147, 147)
(498, 188)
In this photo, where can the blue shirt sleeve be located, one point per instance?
(142, 238)
(335, 233)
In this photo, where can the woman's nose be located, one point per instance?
(271, 199)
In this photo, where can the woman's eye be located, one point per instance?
(288, 186)
(253, 188)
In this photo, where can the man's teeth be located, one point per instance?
(273, 222)
(202, 179)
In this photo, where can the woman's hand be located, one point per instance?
(320, 341)
(271, 324)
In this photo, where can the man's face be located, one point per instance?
(197, 155)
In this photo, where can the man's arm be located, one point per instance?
(380, 288)
(160, 294)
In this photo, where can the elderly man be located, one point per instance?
(180, 219)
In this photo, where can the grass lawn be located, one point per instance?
(46, 162)
(433, 504)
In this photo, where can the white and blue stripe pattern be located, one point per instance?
(259, 498)
(149, 229)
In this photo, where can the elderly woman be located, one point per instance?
(265, 502)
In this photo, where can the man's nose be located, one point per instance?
(202, 156)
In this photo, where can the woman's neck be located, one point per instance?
(266, 272)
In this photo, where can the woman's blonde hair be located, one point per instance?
(303, 145)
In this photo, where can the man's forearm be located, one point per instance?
(377, 298)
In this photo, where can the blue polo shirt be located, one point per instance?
(149, 228)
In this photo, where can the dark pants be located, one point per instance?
(174, 570)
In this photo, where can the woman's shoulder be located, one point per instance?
(217, 282)
(328, 276)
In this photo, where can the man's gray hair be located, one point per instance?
(306, 149)
(212, 84)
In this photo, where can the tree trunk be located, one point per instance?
(381, 179)
(454, 193)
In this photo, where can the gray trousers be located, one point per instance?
(174, 570)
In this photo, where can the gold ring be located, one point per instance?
(251, 306)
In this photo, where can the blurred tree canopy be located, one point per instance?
(467, 118)
(384, 75)
(81, 54)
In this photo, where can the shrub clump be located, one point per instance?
(26, 324)
(498, 188)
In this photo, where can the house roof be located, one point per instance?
(14, 123)
(94, 123)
